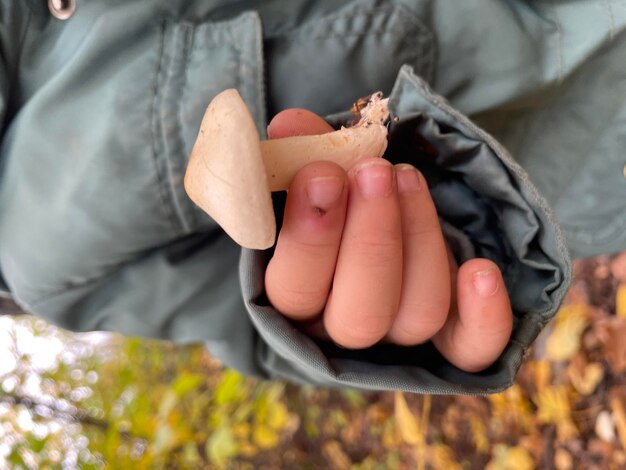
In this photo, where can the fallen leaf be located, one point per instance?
(450, 422)
(512, 405)
(479, 435)
(615, 346)
(601, 452)
(376, 413)
(406, 422)
(619, 416)
(566, 430)
(442, 456)
(335, 456)
(620, 300)
(390, 436)
(221, 446)
(264, 436)
(585, 377)
(542, 373)
(352, 431)
(510, 458)
(565, 339)
(553, 405)
(563, 459)
(277, 415)
(605, 427)
(618, 267)
(247, 450)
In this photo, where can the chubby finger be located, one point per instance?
(425, 298)
(368, 277)
(299, 275)
(476, 333)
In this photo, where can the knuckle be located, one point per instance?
(376, 251)
(313, 247)
(296, 299)
(369, 330)
(423, 228)
(418, 331)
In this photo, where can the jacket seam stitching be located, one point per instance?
(23, 39)
(559, 42)
(389, 10)
(155, 130)
(46, 296)
(424, 37)
(190, 217)
(171, 160)
(14, 73)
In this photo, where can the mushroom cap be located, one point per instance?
(226, 176)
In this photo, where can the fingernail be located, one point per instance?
(486, 282)
(324, 192)
(375, 179)
(408, 178)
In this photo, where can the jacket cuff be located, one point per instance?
(483, 196)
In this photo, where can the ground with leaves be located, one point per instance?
(125, 403)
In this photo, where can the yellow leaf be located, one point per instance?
(620, 300)
(553, 405)
(511, 458)
(479, 435)
(335, 455)
(442, 456)
(221, 446)
(231, 389)
(406, 422)
(564, 341)
(511, 405)
(390, 436)
(563, 460)
(241, 430)
(277, 416)
(566, 430)
(554, 408)
(264, 436)
(585, 382)
(542, 371)
(247, 450)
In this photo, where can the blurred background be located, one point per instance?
(103, 401)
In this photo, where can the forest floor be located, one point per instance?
(567, 409)
(147, 404)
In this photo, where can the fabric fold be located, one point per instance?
(483, 196)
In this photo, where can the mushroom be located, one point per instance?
(231, 174)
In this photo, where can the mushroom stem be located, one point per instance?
(284, 157)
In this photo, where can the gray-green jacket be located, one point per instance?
(99, 112)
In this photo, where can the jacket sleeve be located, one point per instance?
(4, 86)
(14, 20)
(486, 199)
(96, 232)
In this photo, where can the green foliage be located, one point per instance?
(133, 404)
(94, 401)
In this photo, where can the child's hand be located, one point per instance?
(361, 258)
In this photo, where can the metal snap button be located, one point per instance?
(62, 9)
